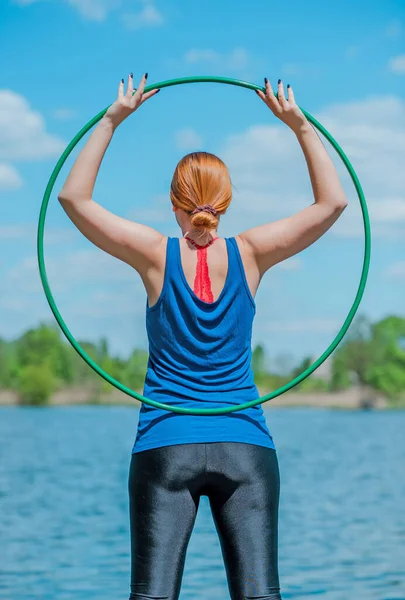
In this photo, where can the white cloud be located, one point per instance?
(396, 270)
(237, 59)
(25, 2)
(394, 29)
(148, 16)
(107, 305)
(100, 10)
(387, 210)
(28, 232)
(270, 174)
(188, 139)
(23, 134)
(63, 114)
(69, 269)
(9, 178)
(194, 56)
(291, 264)
(94, 10)
(291, 69)
(397, 64)
(158, 212)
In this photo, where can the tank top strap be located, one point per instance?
(171, 258)
(233, 266)
(237, 269)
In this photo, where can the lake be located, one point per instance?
(64, 529)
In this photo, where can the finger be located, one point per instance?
(291, 97)
(268, 88)
(121, 89)
(130, 87)
(281, 96)
(149, 94)
(142, 85)
(270, 98)
(261, 95)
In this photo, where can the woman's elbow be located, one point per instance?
(64, 196)
(69, 197)
(340, 204)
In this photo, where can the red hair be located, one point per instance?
(201, 178)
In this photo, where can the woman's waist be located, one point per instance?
(181, 395)
(185, 351)
(199, 373)
(229, 387)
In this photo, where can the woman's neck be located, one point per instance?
(201, 240)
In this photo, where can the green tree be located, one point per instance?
(135, 369)
(303, 366)
(44, 344)
(373, 353)
(340, 378)
(8, 364)
(83, 373)
(387, 370)
(258, 360)
(102, 349)
(36, 384)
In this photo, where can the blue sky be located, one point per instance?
(346, 63)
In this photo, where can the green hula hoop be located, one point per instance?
(120, 386)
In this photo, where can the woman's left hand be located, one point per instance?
(284, 109)
(127, 103)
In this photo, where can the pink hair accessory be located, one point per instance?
(205, 208)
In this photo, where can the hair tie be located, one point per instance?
(205, 208)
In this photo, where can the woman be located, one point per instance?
(199, 315)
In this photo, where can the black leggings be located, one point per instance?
(242, 483)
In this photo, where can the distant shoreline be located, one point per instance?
(354, 398)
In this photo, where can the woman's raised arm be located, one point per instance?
(274, 242)
(131, 242)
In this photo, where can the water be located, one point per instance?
(64, 510)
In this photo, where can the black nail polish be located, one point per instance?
(131, 74)
(158, 91)
(265, 80)
(288, 85)
(279, 80)
(122, 81)
(146, 75)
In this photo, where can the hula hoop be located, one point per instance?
(267, 397)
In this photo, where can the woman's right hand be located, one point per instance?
(127, 103)
(286, 110)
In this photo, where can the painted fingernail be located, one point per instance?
(288, 85)
(131, 74)
(265, 80)
(279, 80)
(122, 81)
(158, 91)
(146, 75)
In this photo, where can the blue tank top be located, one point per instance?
(200, 357)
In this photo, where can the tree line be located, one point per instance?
(41, 362)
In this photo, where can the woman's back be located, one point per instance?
(217, 263)
(200, 356)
